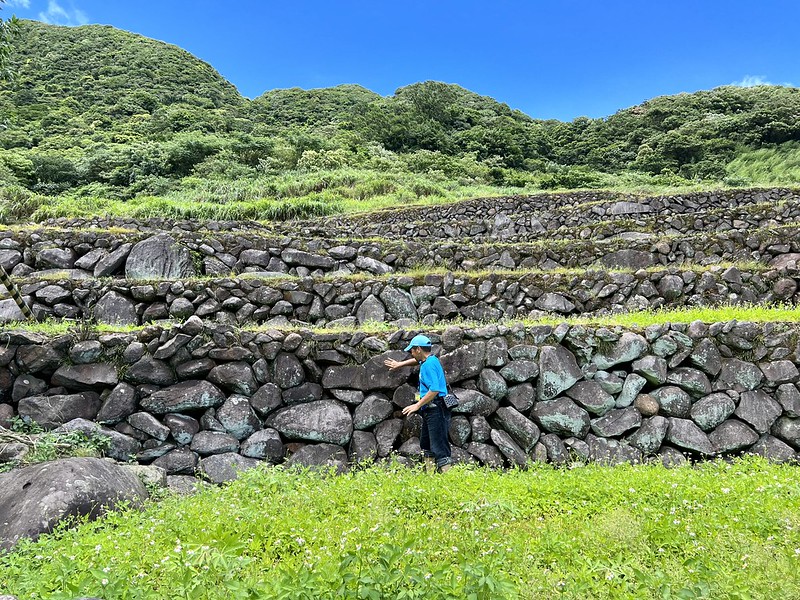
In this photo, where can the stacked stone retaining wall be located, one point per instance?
(404, 299)
(217, 398)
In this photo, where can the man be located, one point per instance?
(432, 389)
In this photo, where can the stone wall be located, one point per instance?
(404, 299)
(217, 398)
(87, 253)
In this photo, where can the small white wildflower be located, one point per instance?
(104, 582)
(725, 490)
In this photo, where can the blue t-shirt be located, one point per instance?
(431, 377)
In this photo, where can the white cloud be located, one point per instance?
(20, 3)
(58, 15)
(754, 80)
(751, 81)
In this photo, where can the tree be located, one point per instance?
(8, 29)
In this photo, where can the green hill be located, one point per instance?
(96, 114)
(105, 84)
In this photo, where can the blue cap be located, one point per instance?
(419, 340)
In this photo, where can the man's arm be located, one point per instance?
(429, 397)
(399, 364)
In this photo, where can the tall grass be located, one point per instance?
(766, 166)
(291, 195)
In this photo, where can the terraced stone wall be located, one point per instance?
(216, 398)
(405, 299)
(88, 253)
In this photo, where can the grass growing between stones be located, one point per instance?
(722, 531)
(778, 313)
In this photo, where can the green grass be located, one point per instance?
(778, 313)
(302, 194)
(767, 166)
(717, 531)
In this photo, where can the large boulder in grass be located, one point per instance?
(35, 499)
(159, 257)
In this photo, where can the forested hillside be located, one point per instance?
(106, 119)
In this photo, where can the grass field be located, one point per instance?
(717, 531)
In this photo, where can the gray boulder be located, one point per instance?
(487, 455)
(322, 421)
(652, 368)
(591, 396)
(612, 452)
(184, 396)
(181, 461)
(159, 257)
(472, 402)
(387, 434)
(52, 411)
(213, 442)
(399, 303)
(35, 499)
(630, 390)
(732, 435)
(759, 410)
(519, 371)
(150, 370)
(238, 417)
(465, 361)
(563, 417)
(374, 409)
(628, 348)
(788, 430)
(320, 456)
(773, 449)
(554, 302)
(236, 377)
(147, 423)
(788, 397)
(558, 371)
(522, 397)
(491, 383)
(221, 468)
(111, 262)
(182, 427)
(694, 381)
(673, 400)
(305, 392)
(738, 375)
(363, 447)
(628, 259)
(288, 371)
(712, 410)
(508, 447)
(617, 422)
(371, 310)
(86, 377)
(118, 405)
(685, 434)
(521, 429)
(650, 435)
(264, 444)
(706, 357)
(777, 372)
(305, 259)
(115, 309)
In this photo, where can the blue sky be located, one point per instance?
(549, 58)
